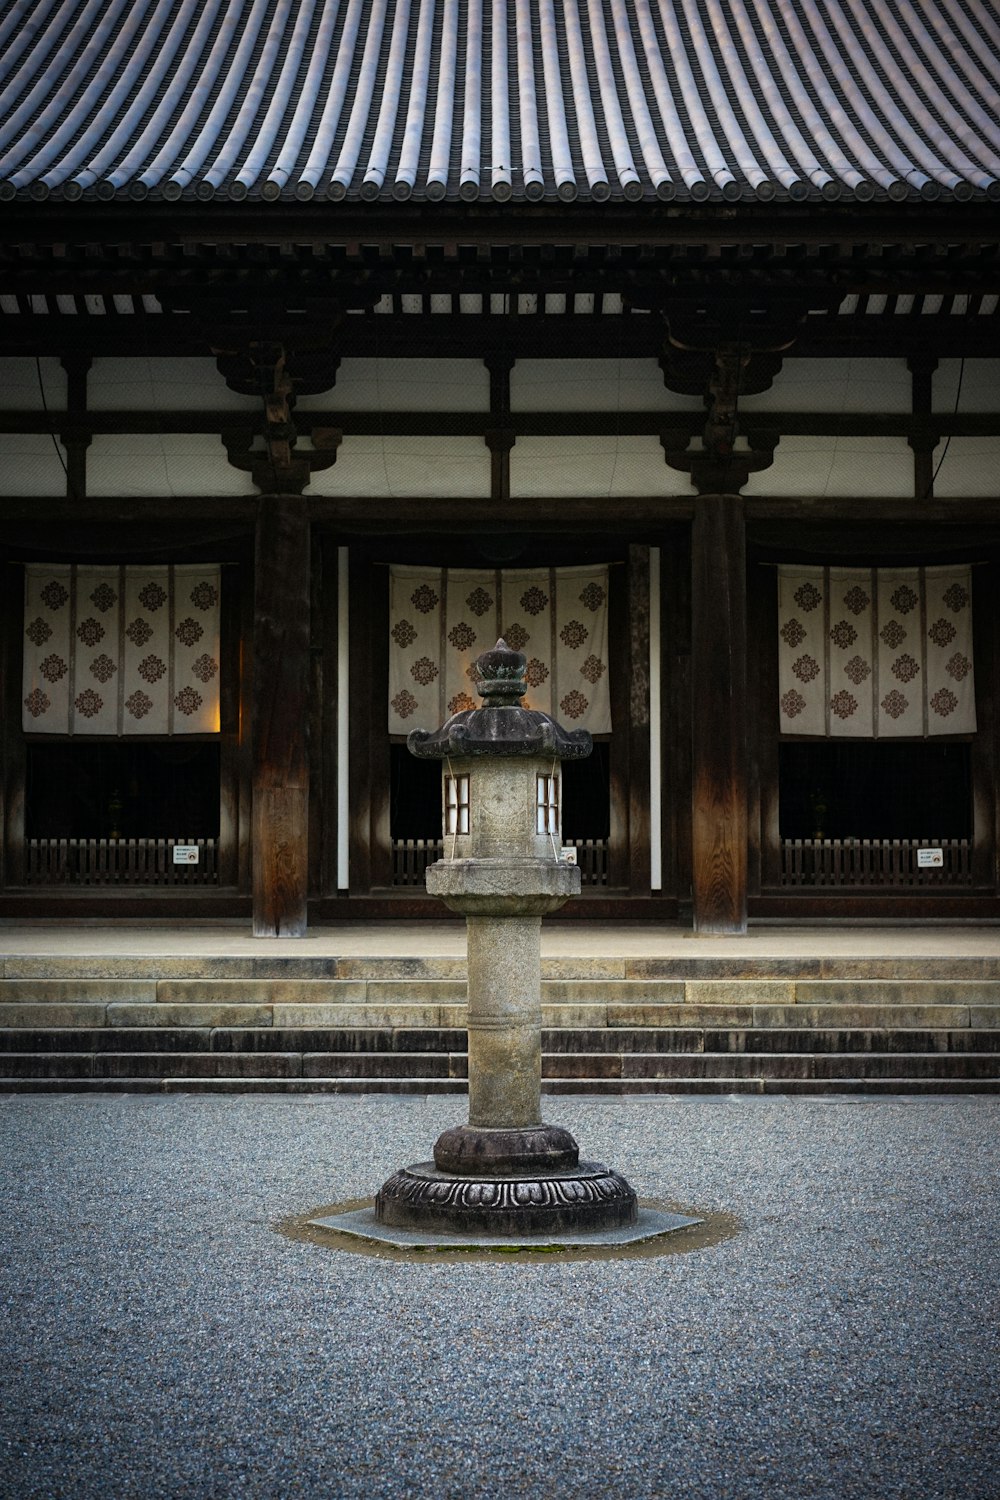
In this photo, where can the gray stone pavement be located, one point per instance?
(160, 1339)
(444, 939)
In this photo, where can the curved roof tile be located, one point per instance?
(500, 99)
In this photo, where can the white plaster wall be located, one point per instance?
(29, 465)
(168, 464)
(19, 389)
(868, 385)
(594, 466)
(594, 385)
(405, 385)
(181, 384)
(847, 468)
(407, 468)
(970, 467)
(980, 385)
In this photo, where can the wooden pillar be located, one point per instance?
(281, 717)
(719, 715)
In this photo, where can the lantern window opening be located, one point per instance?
(547, 804)
(456, 804)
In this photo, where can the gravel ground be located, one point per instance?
(159, 1338)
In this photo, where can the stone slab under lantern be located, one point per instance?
(650, 1224)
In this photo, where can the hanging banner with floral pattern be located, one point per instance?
(118, 651)
(875, 653)
(440, 619)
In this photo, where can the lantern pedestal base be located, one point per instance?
(520, 1205)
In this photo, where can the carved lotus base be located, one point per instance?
(589, 1196)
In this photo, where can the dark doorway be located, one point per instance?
(121, 789)
(875, 789)
(415, 796)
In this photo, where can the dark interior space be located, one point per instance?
(168, 789)
(875, 789)
(415, 797)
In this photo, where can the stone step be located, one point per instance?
(397, 1015)
(582, 1066)
(429, 1040)
(285, 990)
(151, 968)
(614, 1087)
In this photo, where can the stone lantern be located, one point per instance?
(505, 1172)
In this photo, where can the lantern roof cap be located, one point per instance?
(502, 727)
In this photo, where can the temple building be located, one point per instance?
(342, 337)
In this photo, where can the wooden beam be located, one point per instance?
(719, 715)
(638, 720)
(649, 423)
(281, 716)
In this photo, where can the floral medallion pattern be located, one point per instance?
(103, 597)
(462, 636)
(54, 595)
(88, 703)
(90, 631)
(138, 704)
(424, 599)
(205, 667)
(806, 668)
(942, 632)
(37, 703)
(843, 634)
(808, 597)
(404, 704)
(573, 634)
(792, 633)
(905, 667)
(533, 601)
(844, 704)
(103, 668)
(38, 632)
(894, 704)
(140, 631)
(153, 597)
(204, 595)
(53, 668)
(115, 627)
(574, 705)
(792, 703)
(188, 700)
(403, 634)
(873, 633)
(189, 632)
(152, 668)
(479, 601)
(440, 619)
(944, 702)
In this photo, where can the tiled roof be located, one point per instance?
(500, 99)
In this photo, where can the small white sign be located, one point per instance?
(930, 859)
(186, 854)
(568, 854)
